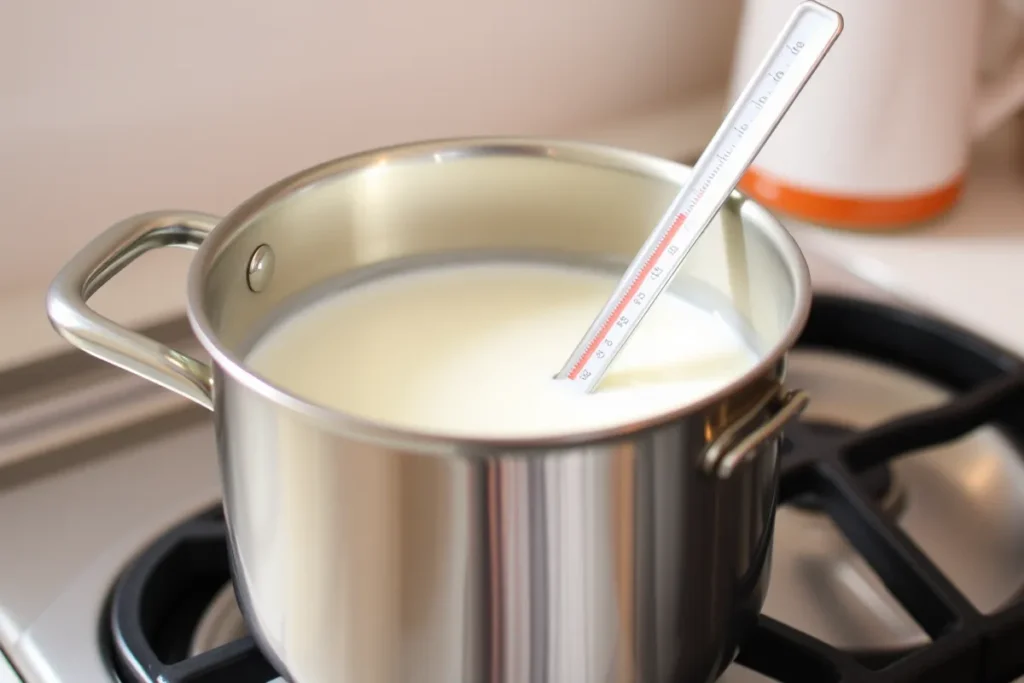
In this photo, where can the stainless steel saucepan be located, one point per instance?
(366, 554)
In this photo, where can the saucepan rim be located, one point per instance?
(585, 153)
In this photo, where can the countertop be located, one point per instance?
(967, 266)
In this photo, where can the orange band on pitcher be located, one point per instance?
(849, 211)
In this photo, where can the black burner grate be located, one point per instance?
(159, 599)
(966, 646)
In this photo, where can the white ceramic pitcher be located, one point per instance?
(880, 137)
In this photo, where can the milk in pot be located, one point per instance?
(470, 350)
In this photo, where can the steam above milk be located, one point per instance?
(471, 350)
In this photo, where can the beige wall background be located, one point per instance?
(109, 107)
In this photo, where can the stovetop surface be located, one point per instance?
(76, 517)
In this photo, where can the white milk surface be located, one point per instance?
(470, 351)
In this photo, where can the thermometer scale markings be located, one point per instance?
(804, 41)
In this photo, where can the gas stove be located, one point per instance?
(899, 548)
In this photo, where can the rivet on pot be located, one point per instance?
(261, 268)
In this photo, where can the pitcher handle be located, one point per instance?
(101, 259)
(1003, 95)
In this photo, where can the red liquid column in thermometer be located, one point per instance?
(796, 53)
(635, 296)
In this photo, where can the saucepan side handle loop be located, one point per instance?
(731, 449)
(100, 260)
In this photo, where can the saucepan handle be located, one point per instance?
(99, 261)
(736, 444)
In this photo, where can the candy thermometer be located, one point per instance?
(792, 59)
